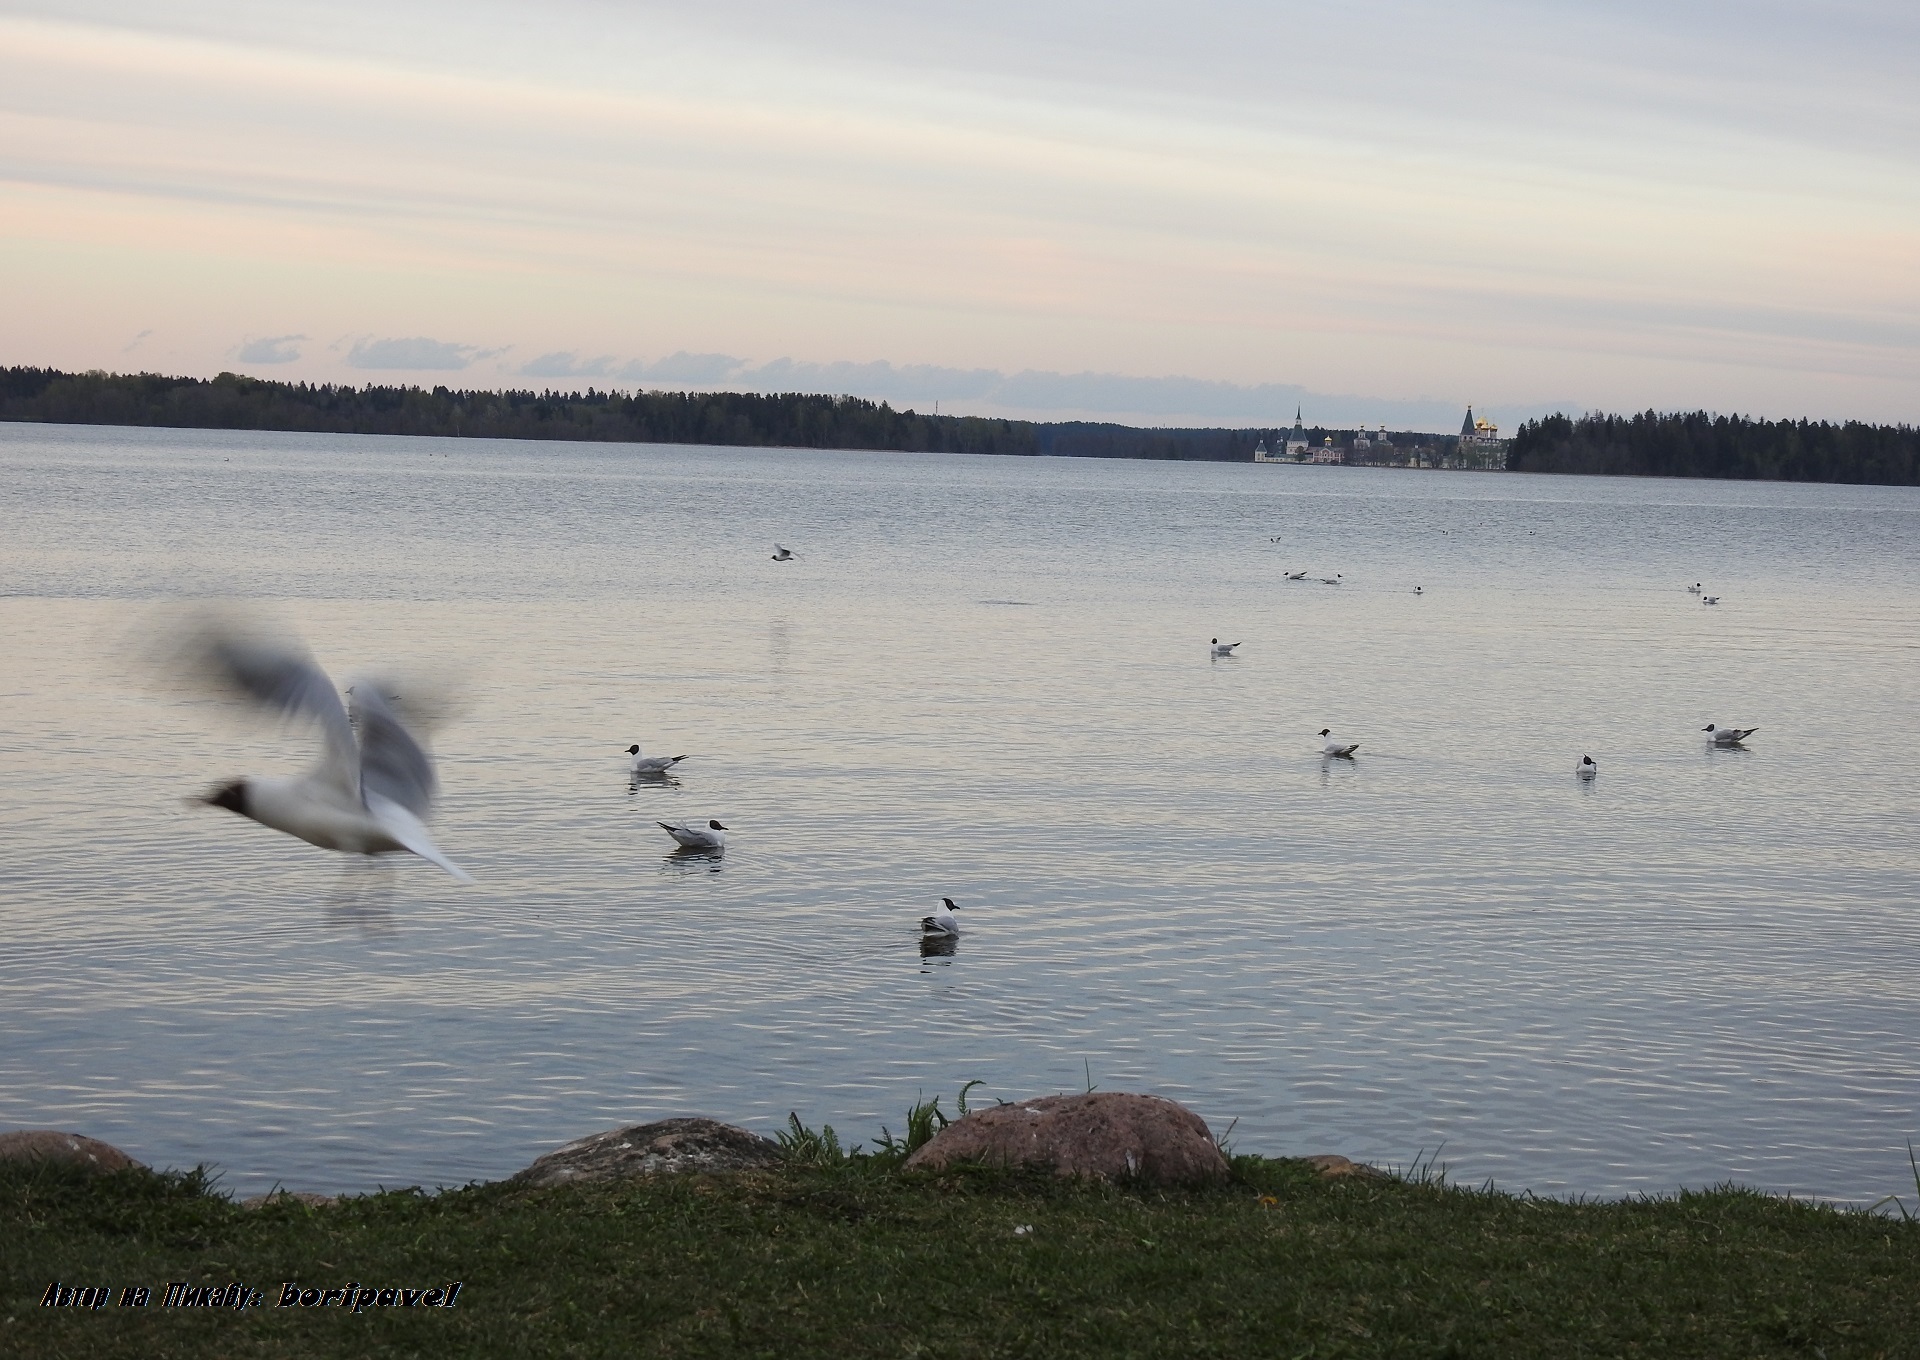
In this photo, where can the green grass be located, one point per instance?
(850, 1257)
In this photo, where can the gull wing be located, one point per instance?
(410, 831)
(393, 766)
(284, 677)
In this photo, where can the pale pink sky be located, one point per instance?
(1614, 205)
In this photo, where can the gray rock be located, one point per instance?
(1104, 1135)
(306, 1197)
(662, 1148)
(75, 1149)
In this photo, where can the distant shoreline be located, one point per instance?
(741, 419)
(1694, 444)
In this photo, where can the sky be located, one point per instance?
(1209, 212)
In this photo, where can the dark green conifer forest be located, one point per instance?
(1697, 444)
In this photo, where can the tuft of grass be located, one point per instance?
(803, 1146)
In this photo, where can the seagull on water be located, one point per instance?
(1586, 769)
(1336, 748)
(1694, 589)
(645, 766)
(712, 836)
(1296, 576)
(1711, 599)
(1332, 580)
(1728, 736)
(371, 791)
(781, 554)
(1223, 648)
(1418, 591)
(943, 921)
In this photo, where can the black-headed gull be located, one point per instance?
(1332, 580)
(1728, 736)
(370, 793)
(1710, 599)
(1223, 648)
(1336, 748)
(1296, 576)
(943, 921)
(1586, 769)
(781, 554)
(645, 766)
(712, 836)
(1694, 589)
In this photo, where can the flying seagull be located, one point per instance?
(1337, 748)
(369, 794)
(1223, 648)
(1586, 769)
(644, 766)
(1728, 736)
(943, 921)
(781, 554)
(712, 836)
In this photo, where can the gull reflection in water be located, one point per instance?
(939, 946)
(691, 860)
(363, 900)
(662, 780)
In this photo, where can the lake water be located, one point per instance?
(986, 678)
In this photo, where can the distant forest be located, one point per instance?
(1697, 444)
(231, 402)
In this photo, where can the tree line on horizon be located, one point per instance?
(1699, 444)
(233, 402)
(1650, 444)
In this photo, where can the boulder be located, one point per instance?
(661, 1148)
(1332, 1167)
(1104, 1135)
(75, 1149)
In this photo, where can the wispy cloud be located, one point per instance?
(416, 354)
(566, 364)
(1046, 395)
(273, 349)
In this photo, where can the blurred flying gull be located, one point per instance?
(371, 791)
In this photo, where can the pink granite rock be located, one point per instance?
(50, 1145)
(1103, 1135)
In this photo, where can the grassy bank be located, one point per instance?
(855, 1259)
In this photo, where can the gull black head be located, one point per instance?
(1326, 731)
(633, 750)
(1586, 760)
(716, 826)
(1216, 642)
(950, 905)
(232, 797)
(1707, 728)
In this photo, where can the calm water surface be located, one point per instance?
(985, 678)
